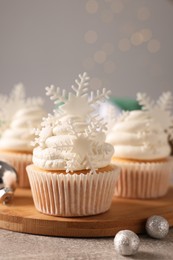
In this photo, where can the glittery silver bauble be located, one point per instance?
(8, 181)
(126, 242)
(157, 227)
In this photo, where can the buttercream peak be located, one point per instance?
(16, 101)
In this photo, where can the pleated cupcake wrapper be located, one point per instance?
(143, 180)
(72, 195)
(19, 161)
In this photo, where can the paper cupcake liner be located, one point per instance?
(143, 180)
(19, 161)
(72, 195)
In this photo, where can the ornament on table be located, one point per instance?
(126, 242)
(157, 227)
(8, 182)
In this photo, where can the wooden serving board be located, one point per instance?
(21, 216)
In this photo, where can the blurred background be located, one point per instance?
(124, 45)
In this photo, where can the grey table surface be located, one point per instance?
(25, 246)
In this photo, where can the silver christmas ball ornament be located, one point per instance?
(126, 242)
(8, 182)
(157, 227)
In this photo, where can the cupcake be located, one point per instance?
(141, 149)
(71, 174)
(15, 142)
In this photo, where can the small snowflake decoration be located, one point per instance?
(9, 105)
(82, 145)
(159, 111)
(77, 107)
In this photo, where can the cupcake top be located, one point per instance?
(73, 138)
(19, 133)
(143, 134)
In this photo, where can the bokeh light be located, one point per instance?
(117, 6)
(91, 37)
(92, 6)
(136, 39)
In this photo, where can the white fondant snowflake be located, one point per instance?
(81, 146)
(76, 108)
(159, 111)
(56, 94)
(80, 103)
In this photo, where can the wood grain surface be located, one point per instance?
(21, 216)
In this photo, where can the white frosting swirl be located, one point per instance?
(19, 135)
(61, 145)
(139, 137)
